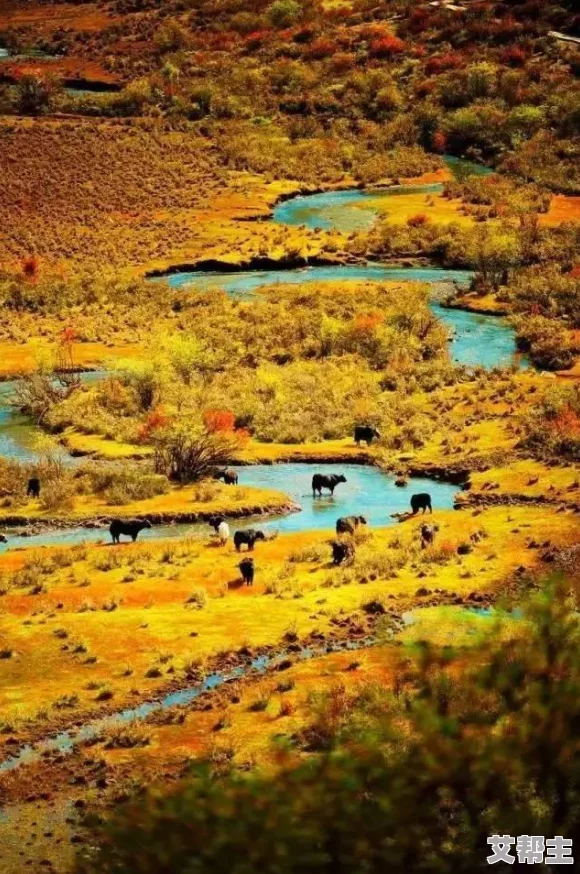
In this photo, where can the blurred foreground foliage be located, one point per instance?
(412, 779)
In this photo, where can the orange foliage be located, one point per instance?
(30, 267)
(243, 437)
(386, 47)
(219, 420)
(567, 423)
(155, 421)
(68, 336)
(417, 221)
(367, 323)
(321, 48)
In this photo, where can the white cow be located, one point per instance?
(223, 532)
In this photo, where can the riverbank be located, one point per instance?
(185, 504)
(134, 635)
(143, 602)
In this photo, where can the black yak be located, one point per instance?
(366, 433)
(128, 527)
(247, 537)
(421, 501)
(349, 524)
(246, 567)
(342, 550)
(326, 481)
(33, 489)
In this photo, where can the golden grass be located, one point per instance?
(178, 501)
(188, 210)
(19, 358)
(402, 207)
(151, 583)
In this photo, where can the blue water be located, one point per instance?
(483, 340)
(367, 492)
(355, 210)
(243, 283)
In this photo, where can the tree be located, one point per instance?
(184, 452)
(493, 252)
(34, 94)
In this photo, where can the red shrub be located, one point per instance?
(417, 221)
(30, 267)
(513, 56)
(155, 421)
(386, 47)
(68, 336)
(223, 42)
(418, 21)
(567, 423)
(219, 420)
(257, 39)
(439, 63)
(321, 48)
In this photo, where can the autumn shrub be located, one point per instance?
(545, 341)
(552, 426)
(386, 47)
(418, 220)
(58, 494)
(121, 485)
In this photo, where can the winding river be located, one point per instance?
(367, 491)
(17, 432)
(476, 340)
(483, 340)
(356, 210)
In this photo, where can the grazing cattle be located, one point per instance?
(128, 527)
(326, 481)
(246, 567)
(428, 535)
(249, 537)
(229, 477)
(33, 490)
(366, 433)
(349, 524)
(421, 501)
(215, 522)
(342, 550)
(223, 532)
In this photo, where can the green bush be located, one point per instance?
(448, 759)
